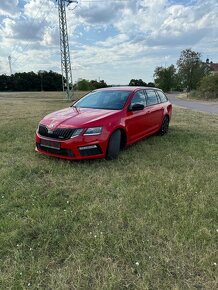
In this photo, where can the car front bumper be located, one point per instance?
(77, 148)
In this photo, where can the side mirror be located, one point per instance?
(136, 107)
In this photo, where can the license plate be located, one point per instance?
(50, 144)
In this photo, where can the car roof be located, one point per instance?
(127, 88)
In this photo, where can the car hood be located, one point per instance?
(75, 117)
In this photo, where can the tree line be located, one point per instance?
(43, 81)
(30, 81)
(187, 74)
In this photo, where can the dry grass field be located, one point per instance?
(147, 220)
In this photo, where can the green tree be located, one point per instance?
(191, 69)
(86, 85)
(151, 84)
(30, 81)
(165, 78)
(208, 88)
(83, 85)
(24, 82)
(97, 85)
(50, 81)
(138, 83)
(5, 82)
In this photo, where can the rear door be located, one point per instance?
(155, 110)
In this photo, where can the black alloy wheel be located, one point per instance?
(165, 126)
(114, 145)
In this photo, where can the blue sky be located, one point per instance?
(114, 40)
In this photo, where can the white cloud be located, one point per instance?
(115, 40)
(41, 11)
(111, 41)
(8, 7)
(22, 29)
(51, 36)
(98, 13)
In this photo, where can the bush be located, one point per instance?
(86, 85)
(194, 94)
(208, 88)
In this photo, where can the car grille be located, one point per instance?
(62, 151)
(59, 133)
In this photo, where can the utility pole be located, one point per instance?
(9, 61)
(67, 80)
(41, 72)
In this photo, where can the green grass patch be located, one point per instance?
(196, 95)
(145, 221)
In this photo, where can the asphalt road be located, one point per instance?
(208, 107)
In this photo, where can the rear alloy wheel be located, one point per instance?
(114, 145)
(165, 126)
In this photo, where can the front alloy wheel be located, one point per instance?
(114, 145)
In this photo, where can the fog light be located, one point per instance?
(88, 147)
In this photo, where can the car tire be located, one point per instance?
(114, 145)
(165, 126)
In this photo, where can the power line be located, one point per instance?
(14, 49)
(64, 43)
(44, 16)
(35, 17)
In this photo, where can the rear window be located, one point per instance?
(151, 98)
(163, 98)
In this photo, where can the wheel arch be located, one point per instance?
(123, 136)
(167, 115)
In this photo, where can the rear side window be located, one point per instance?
(151, 98)
(162, 97)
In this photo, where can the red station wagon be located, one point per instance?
(103, 122)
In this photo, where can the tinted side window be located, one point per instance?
(152, 98)
(138, 98)
(163, 98)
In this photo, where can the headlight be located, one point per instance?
(93, 131)
(76, 133)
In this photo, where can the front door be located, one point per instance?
(135, 121)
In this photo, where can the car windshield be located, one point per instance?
(108, 100)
